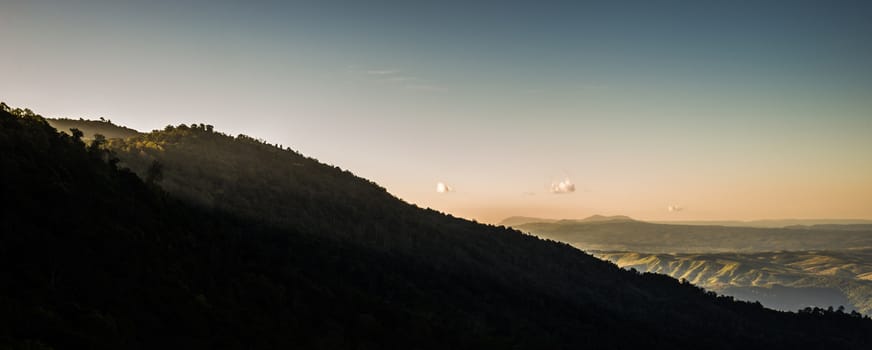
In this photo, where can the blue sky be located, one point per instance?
(729, 109)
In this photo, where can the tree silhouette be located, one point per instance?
(154, 174)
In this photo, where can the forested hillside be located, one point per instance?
(254, 246)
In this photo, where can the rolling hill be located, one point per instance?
(781, 280)
(228, 242)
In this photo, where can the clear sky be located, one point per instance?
(721, 109)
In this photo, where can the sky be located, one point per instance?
(660, 110)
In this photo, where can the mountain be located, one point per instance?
(830, 224)
(644, 237)
(602, 218)
(523, 220)
(266, 248)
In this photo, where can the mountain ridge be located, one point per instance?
(343, 265)
(765, 223)
(523, 220)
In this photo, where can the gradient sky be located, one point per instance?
(729, 110)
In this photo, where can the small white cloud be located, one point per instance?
(674, 208)
(443, 188)
(564, 186)
(401, 79)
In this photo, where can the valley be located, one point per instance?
(786, 268)
(781, 280)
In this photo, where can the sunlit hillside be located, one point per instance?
(782, 280)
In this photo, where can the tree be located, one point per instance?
(96, 144)
(77, 134)
(154, 173)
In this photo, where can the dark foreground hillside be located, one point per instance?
(93, 257)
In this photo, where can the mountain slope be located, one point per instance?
(96, 258)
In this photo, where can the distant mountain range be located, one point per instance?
(637, 236)
(523, 220)
(838, 224)
(217, 241)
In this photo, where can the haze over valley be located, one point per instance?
(786, 268)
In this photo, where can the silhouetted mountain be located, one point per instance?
(93, 257)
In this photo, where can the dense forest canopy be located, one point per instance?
(234, 243)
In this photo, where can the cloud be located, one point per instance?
(400, 79)
(564, 186)
(441, 187)
(674, 208)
